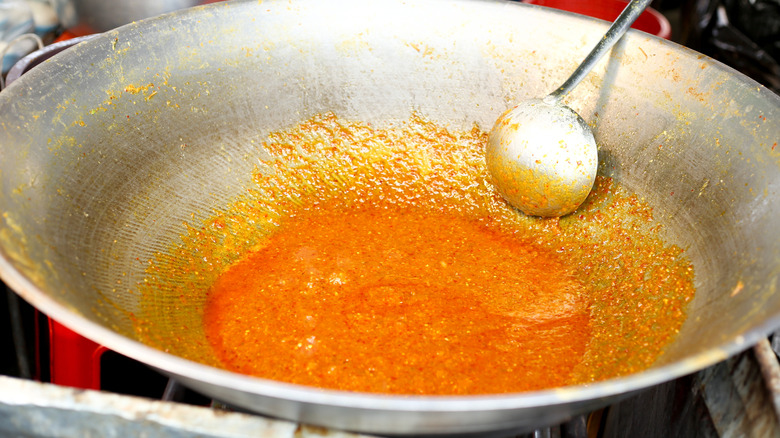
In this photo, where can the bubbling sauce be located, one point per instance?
(398, 300)
(383, 260)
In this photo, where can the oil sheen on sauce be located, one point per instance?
(399, 300)
(382, 260)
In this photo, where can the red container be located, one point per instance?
(651, 21)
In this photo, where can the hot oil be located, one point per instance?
(382, 260)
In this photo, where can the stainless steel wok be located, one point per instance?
(107, 148)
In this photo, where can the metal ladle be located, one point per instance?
(541, 154)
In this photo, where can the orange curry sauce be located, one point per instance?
(383, 260)
(398, 300)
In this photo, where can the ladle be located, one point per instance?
(541, 154)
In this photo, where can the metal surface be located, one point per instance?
(38, 56)
(107, 148)
(36, 410)
(622, 23)
(542, 158)
(541, 154)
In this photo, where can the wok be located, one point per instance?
(100, 169)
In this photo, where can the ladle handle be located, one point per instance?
(626, 18)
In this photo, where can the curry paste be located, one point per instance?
(383, 260)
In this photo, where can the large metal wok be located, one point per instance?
(99, 168)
